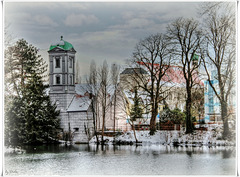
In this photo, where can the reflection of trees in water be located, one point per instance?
(189, 153)
(137, 150)
(154, 150)
(228, 153)
(54, 148)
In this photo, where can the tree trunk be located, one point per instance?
(224, 119)
(114, 114)
(95, 129)
(103, 126)
(189, 125)
(153, 122)
(134, 132)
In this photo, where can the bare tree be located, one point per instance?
(219, 20)
(154, 55)
(186, 39)
(115, 71)
(8, 37)
(77, 69)
(198, 103)
(103, 93)
(93, 91)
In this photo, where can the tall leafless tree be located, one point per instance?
(154, 55)
(103, 93)
(219, 22)
(115, 71)
(92, 82)
(77, 69)
(186, 39)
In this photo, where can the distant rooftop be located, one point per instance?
(134, 71)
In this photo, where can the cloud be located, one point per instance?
(44, 20)
(75, 5)
(139, 23)
(112, 45)
(108, 31)
(80, 19)
(28, 19)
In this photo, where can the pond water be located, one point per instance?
(121, 160)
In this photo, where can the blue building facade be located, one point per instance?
(212, 105)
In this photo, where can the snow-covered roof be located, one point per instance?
(79, 104)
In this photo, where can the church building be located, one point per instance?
(75, 111)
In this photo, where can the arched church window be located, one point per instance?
(57, 62)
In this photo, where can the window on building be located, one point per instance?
(76, 129)
(57, 60)
(57, 79)
(70, 62)
(71, 80)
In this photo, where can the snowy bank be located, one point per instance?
(11, 150)
(199, 138)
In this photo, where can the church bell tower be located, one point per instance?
(62, 73)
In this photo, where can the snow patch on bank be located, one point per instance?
(169, 137)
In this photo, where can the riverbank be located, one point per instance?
(199, 138)
(172, 138)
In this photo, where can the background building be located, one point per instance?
(212, 105)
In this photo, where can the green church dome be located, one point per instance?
(62, 44)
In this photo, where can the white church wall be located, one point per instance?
(81, 125)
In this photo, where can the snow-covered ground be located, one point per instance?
(168, 137)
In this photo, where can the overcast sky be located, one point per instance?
(98, 31)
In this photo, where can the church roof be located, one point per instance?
(81, 100)
(62, 44)
(79, 104)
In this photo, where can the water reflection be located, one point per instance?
(227, 152)
(122, 160)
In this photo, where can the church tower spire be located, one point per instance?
(62, 72)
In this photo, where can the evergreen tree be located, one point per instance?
(136, 110)
(30, 118)
(40, 114)
(175, 115)
(14, 122)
